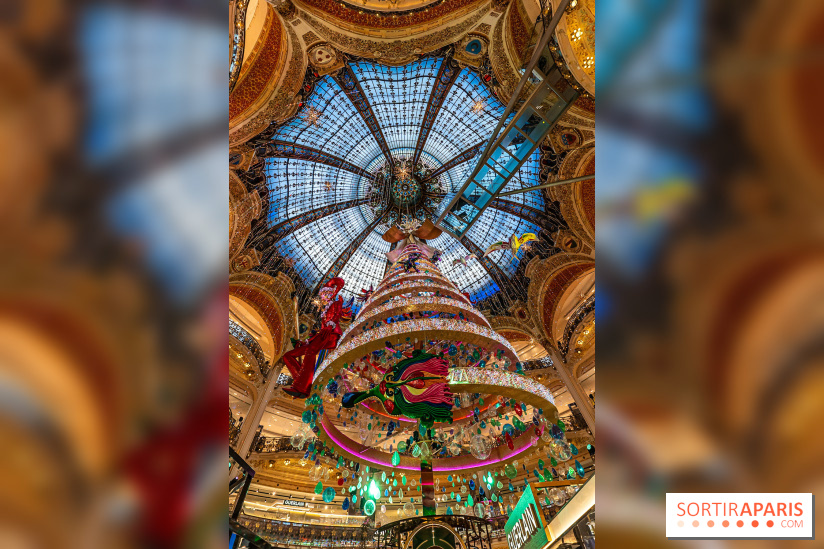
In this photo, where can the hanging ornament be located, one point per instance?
(579, 469)
(510, 444)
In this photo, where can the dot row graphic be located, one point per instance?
(726, 523)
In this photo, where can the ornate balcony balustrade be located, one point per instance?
(574, 320)
(249, 341)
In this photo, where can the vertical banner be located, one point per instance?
(526, 528)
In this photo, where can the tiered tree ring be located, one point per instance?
(420, 377)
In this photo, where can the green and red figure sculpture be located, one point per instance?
(415, 388)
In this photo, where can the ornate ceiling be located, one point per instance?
(336, 97)
(323, 165)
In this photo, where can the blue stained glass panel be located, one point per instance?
(338, 129)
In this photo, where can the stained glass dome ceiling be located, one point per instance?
(322, 165)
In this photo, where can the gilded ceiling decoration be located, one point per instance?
(518, 31)
(555, 286)
(379, 19)
(263, 67)
(576, 39)
(280, 103)
(399, 51)
(391, 5)
(577, 201)
(585, 191)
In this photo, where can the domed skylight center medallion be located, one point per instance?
(405, 190)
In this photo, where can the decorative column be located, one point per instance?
(573, 386)
(250, 424)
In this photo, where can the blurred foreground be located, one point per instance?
(711, 256)
(113, 372)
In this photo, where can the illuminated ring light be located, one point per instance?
(461, 380)
(419, 276)
(415, 304)
(427, 329)
(402, 274)
(407, 288)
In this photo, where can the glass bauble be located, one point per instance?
(480, 447)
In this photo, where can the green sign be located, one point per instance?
(525, 527)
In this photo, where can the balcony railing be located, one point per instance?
(574, 320)
(537, 364)
(281, 533)
(274, 445)
(246, 339)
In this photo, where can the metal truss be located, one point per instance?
(549, 97)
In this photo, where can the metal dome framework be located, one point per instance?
(323, 165)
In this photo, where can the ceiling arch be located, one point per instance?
(265, 299)
(549, 278)
(555, 287)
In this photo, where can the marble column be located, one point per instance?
(576, 390)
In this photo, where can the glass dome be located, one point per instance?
(374, 145)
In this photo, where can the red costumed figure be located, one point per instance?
(303, 371)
